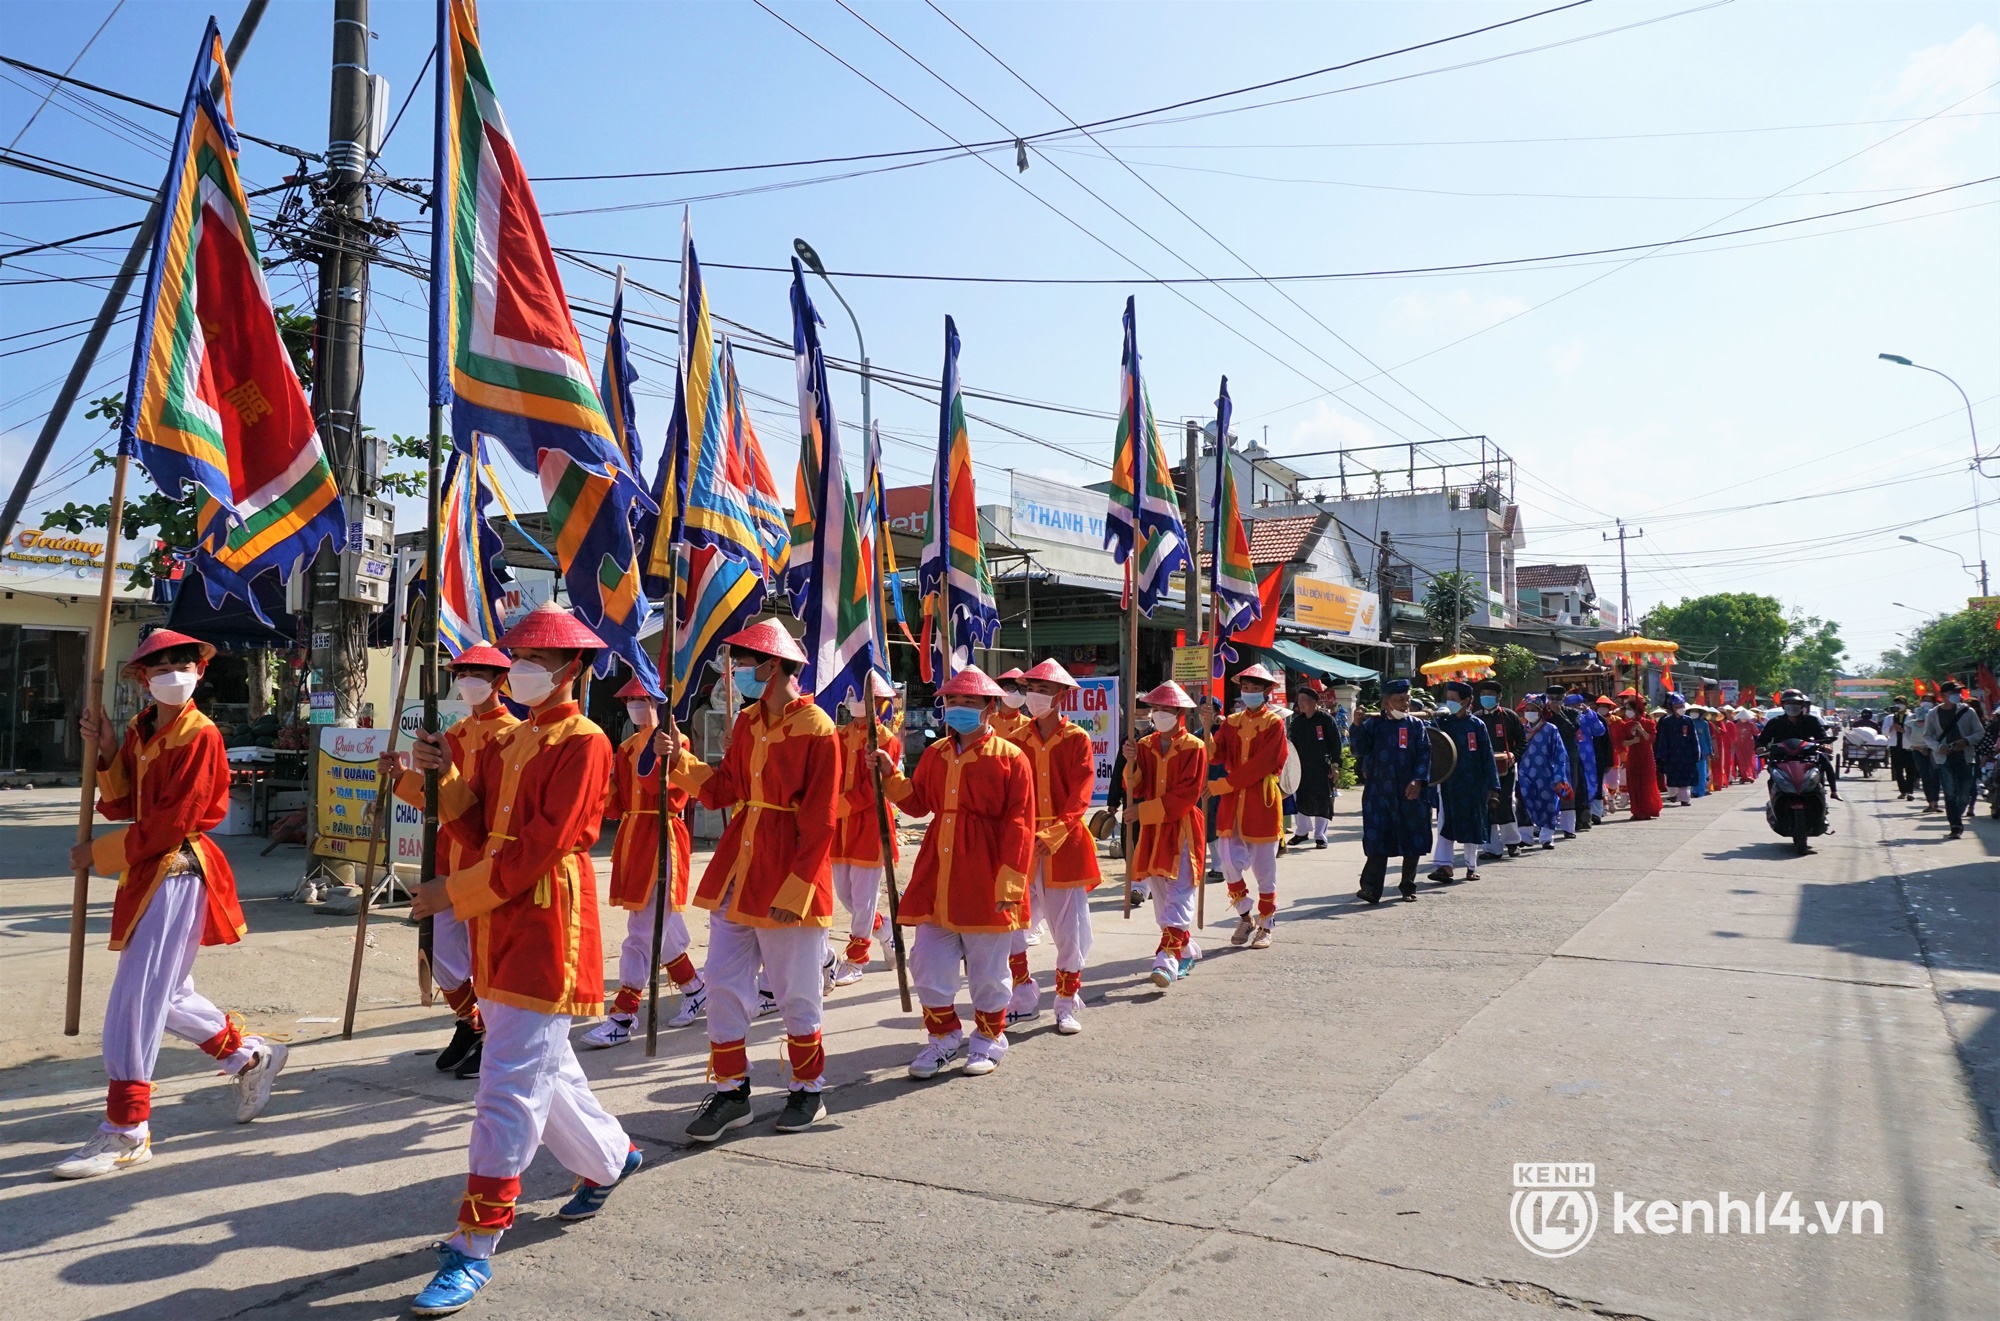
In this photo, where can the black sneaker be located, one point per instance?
(469, 1066)
(803, 1109)
(1319, 843)
(463, 1038)
(721, 1112)
(1297, 840)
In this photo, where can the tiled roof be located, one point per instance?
(1550, 575)
(1279, 540)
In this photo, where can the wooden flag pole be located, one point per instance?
(427, 868)
(663, 870)
(888, 856)
(100, 654)
(1131, 680)
(378, 831)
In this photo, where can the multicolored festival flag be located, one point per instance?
(774, 534)
(506, 354)
(957, 591)
(841, 613)
(472, 568)
(619, 376)
(1232, 577)
(1143, 527)
(878, 554)
(212, 399)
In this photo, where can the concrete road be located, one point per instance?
(1330, 1127)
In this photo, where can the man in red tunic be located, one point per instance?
(169, 776)
(479, 670)
(1249, 747)
(635, 863)
(969, 886)
(1165, 775)
(769, 886)
(1011, 716)
(857, 844)
(527, 809)
(1065, 859)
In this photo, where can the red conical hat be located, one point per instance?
(767, 637)
(970, 682)
(482, 654)
(1050, 671)
(1168, 694)
(634, 689)
(159, 640)
(1257, 674)
(1014, 673)
(549, 625)
(880, 685)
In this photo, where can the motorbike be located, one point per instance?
(1796, 788)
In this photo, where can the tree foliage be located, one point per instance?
(1452, 601)
(1745, 634)
(1517, 668)
(1955, 644)
(1813, 656)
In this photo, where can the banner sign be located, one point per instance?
(1051, 511)
(1093, 704)
(1194, 665)
(1351, 611)
(344, 788)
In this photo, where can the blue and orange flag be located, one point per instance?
(505, 353)
(840, 608)
(1232, 577)
(952, 578)
(212, 400)
(619, 376)
(1143, 527)
(472, 570)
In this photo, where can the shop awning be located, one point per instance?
(1297, 657)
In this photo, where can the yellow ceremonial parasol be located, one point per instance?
(1463, 668)
(1653, 651)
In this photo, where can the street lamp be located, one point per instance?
(813, 263)
(1978, 527)
(1979, 576)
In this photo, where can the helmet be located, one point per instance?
(1791, 695)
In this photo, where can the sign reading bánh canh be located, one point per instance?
(1348, 610)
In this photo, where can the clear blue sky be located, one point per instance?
(1680, 392)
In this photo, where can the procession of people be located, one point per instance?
(795, 886)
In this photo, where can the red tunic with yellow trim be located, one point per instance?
(464, 739)
(1008, 723)
(1251, 748)
(634, 803)
(1065, 776)
(1166, 784)
(857, 837)
(782, 778)
(527, 812)
(981, 839)
(172, 784)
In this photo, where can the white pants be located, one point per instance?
(1545, 834)
(451, 952)
(1566, 820)
(1066, 910)
(532, 1093)
(153, 990)
(635, 956)
(1684, 795)
(941, 961)
(1502, 834)
(1173, 906)
(859, 890)
(1259, 860)
(791, 958)
(1466, 853)
(1312, 825)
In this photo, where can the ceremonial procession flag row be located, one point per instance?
(215, 404)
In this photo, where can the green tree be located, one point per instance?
(178, 521)
(1516, 667)
(1813, 656)
(1744, 635)
(1452, 601)
(1955, 644)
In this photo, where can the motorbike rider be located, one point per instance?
(1798, 722)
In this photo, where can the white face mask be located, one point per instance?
(1015, 701)
(1040, 704)
(172, 688)
(530, 683)
(1531, 718)
(640, 713)
(474, 691)
(1165, 721)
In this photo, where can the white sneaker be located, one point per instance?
(1034, 937)
(1026, 1004)
(1069, 1021)
(105, 1153)
(937, 1052)
(826, 973)
(253, 1084)
(848, 973)
(611, 1032)
(984, 1056)
(767, 1004)
(692, 1005)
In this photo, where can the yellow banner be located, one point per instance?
(1194, 665)
(1349, 610)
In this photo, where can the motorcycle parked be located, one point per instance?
(1796, 789)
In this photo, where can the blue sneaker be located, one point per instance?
(589, 1197)
(458, 1281)
(1187, 964)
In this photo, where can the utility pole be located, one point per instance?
(1624, 584)
(1191, 518)
(1382, 594)
(345, 244)
(1457, 590)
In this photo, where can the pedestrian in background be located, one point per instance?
(1317, 738)
(1952, 729)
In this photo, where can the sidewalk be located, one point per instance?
(1324, 1128)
